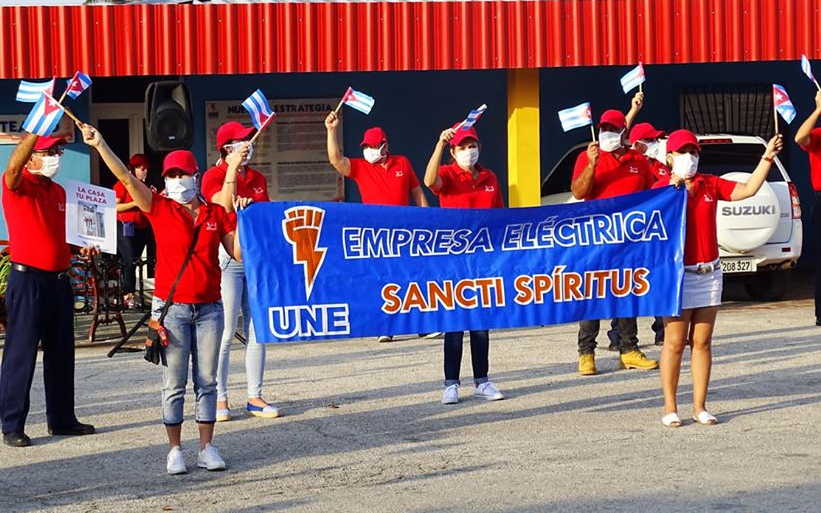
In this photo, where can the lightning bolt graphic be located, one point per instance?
(302, 227)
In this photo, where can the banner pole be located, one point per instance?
(775, 118)
(814, 81)
(592, 132)
(263, 127)
(67, 111)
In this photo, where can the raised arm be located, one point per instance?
(226, 195)
(636, 105)
(339, 161)
(139, 192)
(582, 185)
(432, 180)
(746, 190)
(18, 160)
(802, 137)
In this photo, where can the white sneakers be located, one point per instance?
(223, 415)
(175, 463)
(486, 390)
(384, 338)
(208, 458)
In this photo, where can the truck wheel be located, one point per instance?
(766, 286)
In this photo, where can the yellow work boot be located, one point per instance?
(637, 360)
(587, 365)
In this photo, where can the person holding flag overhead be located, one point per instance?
(39, 298)
(464, 183)
(608, 169)
(233, 178)
(383, 178)
(702, 285)
(808, 138)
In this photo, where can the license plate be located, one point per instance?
(738, 265)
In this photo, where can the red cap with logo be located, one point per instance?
(374, 137)
(232, 131)
(644, 131)
(182, 160)
(463, 134)
(613, 117)
(681, 138)
(45, 143)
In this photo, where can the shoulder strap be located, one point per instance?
(170, 300)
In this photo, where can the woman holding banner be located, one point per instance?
(701, 290)
(186, 308)
(221, 184)
(464, 184)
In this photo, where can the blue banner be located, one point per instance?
(337, 270)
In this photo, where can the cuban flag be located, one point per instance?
(633, 78)
(257, 106)
(473, 117)
(77, 84)
(782, 103)
(30, 92)
(806, 67)
(44, 117)
(358, 100)
(576, 117)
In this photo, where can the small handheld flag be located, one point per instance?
(473, 117)
(806, 67)
(576, 117)
(259, 110)
(30, 92)
(76, 85)
(633, 79)
(358, 100)
(782, 103)
(44, 116)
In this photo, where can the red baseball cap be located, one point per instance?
(45, 143)
(182, 160)
(644, 131)
(232, 131)
(613, 117)
(680, 139)
(374, 137)
(462, 134)
(138, 160)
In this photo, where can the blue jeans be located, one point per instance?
(234, 301)
(193, 334)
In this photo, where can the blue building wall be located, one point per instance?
(566, 87)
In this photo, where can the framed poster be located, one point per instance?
(91, 216)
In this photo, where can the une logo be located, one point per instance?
(302, 227)
(309, 320)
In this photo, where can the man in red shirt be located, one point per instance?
(808, 138)
(608, 169)
(39, 299)
(382, 178)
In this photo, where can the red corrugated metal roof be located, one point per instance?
(380, 36)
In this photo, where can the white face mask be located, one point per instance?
(373, 155)
(182, 189)
(685, 165)
(236, 147)
(50, 166)
(609, 141)
(466, 158)
(653, 150)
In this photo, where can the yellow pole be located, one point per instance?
(523, 141)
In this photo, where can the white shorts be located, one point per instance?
(702, 290)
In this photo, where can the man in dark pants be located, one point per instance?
(39, 298)
(809, 138)
(607, 169)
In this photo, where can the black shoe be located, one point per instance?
(77, 429)
(660, 342)
(16, 439)
(614, 346)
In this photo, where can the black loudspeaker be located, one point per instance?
(168, 116)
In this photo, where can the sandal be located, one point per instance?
(671, 420)
(706, 419)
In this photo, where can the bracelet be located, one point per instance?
(232, 181)
(768, 159)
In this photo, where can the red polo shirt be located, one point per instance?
(36, 219)
(701, 238)
(173, 230)
(250, 183)
(659, 170)
(814, 149)
(132, 215)
(460, 190)
(616, 176)
(388, 184)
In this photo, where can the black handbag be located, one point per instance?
(157, 339)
